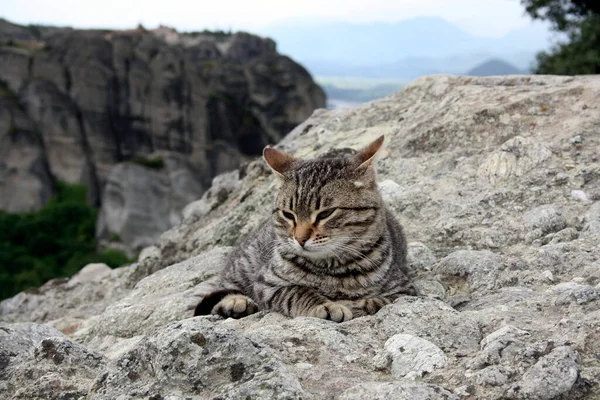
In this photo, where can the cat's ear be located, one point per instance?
(365, 157)
(279, 161)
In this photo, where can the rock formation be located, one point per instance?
(497, 182)
(81, 102)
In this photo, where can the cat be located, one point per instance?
(331, 248)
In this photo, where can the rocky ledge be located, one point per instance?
(496, 181)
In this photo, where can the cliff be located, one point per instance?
(181, 107)
(497, 183)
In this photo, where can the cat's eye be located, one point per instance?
(288, 215)
(324, 214)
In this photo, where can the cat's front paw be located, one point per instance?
(368, 306)
(331, 310)
(235, 306)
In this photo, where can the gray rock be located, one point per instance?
(469, 271)
(396, 390)
(571, 292)
(420, 257)
(409, 357)
(548, 218)
(197, 358)
(516, 157)
(100, 98)
(25, 180)
(164, 296)
(38, 362)
(430, 320)
(553, 375)
(509, 309)
(139, 203)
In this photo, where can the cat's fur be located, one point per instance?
(307, 261)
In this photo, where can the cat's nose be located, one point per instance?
(302, 239)
(302, 233)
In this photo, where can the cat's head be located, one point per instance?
(326, 206)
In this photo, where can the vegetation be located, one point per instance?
(578, 21)
(218, 33)
(149, 162)
(56, 241)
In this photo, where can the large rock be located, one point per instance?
(139, 202)
(25, 181)
(506, 261)
(98, 98)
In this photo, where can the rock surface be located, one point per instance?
(507, 265)
(83, 101)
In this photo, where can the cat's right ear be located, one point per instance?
(278, 161)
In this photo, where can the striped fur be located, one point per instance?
(331, 249)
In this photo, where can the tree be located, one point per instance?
(579, 22)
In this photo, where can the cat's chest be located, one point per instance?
(345, 286)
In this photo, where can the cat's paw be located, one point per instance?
(371, 305)
(235, 306)
(331, 310)
(362, 307)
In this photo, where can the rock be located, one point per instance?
(592, 218)
(420, 258)
(389, 190)
(25, 180)
(579, 195)
(197, 357)
(547, 218)
(516, 157)
(410, 357)
(93, 273)
(139, 203)
(396, 390)
(164, 296)
(552, 376)
(514, 320)
(100, 98)
(431, 320)
(38, 362)
(475, 269)
(569, 292)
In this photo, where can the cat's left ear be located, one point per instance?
(278, 161)
(365, 157)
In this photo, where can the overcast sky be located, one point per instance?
(481, 17)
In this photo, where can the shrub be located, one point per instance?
(56, 241)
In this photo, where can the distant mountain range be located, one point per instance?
(494, 67)
(401, 50)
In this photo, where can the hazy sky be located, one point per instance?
(481, 17)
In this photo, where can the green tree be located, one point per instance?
(56, 241)
(578, 23)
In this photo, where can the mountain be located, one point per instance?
(401, 50)
(494, 67)
(144, 118)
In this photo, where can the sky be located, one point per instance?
(492, 18)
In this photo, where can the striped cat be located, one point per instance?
(331, 248)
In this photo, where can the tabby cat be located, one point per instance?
(331, 249)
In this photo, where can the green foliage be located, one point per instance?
(149, 162)
(579, 21)
(56, 241)
(218, 34)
